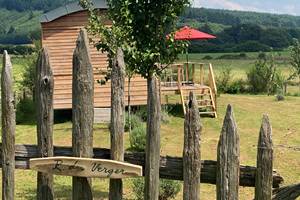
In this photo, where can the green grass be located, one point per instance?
(248, 111)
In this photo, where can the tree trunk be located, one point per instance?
(83, 112)
(153, 140)
(117, 120)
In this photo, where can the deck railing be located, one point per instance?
(187, 73)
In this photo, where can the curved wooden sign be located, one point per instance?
(85, 167)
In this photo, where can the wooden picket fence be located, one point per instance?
(226, 172)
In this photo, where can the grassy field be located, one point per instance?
(241, 66)
(248, 110)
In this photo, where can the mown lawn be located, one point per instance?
(248, 111)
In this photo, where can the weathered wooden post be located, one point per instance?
(191, 151)
(44, 100)
(228, 160)
(117, 120)
(8, 129)
(264, 171)
(83, 112)
(153, 140)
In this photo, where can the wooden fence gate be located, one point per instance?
(226, 172)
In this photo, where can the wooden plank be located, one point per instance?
(44, 99)
(85, 167)
(153, 140)
(191, 151)
(187, 75)
(83, 112)
(8, 129)
(201, 74)
(179, 79)
(263, 184)
(170, 167)
(193, 73)
(117, 119)
(228, 159)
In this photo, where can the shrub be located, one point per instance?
(233, 56)
(295, 59)
(26, 111)
(262, 55)
(137, 139)
(263, 77)
(278, 83)
(207, 57)
(165, 118)
(29, 75)
(223, 79)
(168, 189)
(237, 87)
(138, 185)
(135, 122)
(142, 113)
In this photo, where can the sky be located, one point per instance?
(291, 7)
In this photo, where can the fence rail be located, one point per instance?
(170, 167)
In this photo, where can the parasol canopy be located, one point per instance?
(188, 33)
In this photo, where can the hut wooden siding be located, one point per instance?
(59, 36)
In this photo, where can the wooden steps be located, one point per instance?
(204, 98)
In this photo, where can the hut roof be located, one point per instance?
(68, 9)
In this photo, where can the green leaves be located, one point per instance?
(144, 29)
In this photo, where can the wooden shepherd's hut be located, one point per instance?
(60, 29)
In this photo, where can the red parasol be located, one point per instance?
(188, 33)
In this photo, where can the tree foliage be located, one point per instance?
(295, 59)
(264, 76)
(143, 29)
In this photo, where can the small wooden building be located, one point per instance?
(60, 29)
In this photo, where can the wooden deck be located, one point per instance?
(180, 79)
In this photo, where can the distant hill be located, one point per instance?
(236, 30)
(27, 5)
(19, 19)
(225, 18)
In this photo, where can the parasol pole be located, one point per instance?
(187, 55)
